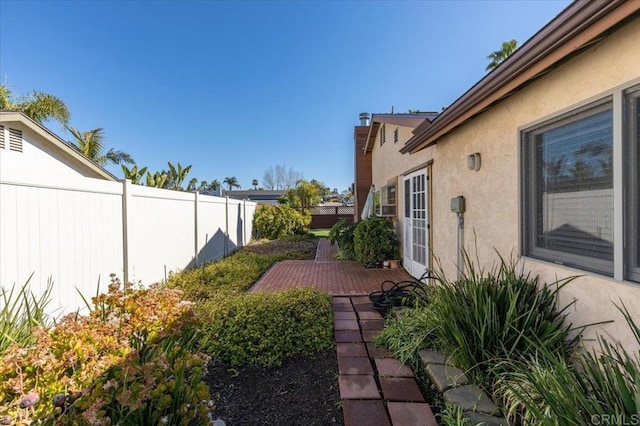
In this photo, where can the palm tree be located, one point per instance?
(133, 174)
(39, 106)
(254, 183)
(177, 175)
(91, 144)
(192, 185)
(497, 57)
(215, 184)
(231, 182)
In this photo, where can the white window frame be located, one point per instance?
(622, 271)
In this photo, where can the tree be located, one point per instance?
(304, 195)
(203, 185)
(254, 183)
(91, 145)
(133, 174)
(280, 178)
(177, 175)
(192, 185)
(231, 182)
(215, 184)
(497, 57)
(157, 180)
(39, 106)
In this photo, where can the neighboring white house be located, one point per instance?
(29, 152)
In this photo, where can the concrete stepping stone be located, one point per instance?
(471, 398)
(446, 377)
(364, 413)
(358, 387)
(484, 419)
(432, 357)
(411, 414)
(390, 367)
(350, 365)
(400, 389)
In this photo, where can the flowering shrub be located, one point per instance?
(131, 361)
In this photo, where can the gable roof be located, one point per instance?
(412, 120)
(57, 143)
(577, 27)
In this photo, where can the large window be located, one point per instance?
(580, 206)
(632, 179)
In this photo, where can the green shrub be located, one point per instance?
(342, 234)
(112, 361)
(233, 274)
(375, 241)
(266, 328)
(273, 222)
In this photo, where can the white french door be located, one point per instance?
(416, 222)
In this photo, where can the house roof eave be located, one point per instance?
(577, 26)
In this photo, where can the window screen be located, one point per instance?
(568, 189)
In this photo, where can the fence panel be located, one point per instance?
(323, 217)
(70, 234)
(77, 233)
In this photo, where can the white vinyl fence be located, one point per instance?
(77, 234)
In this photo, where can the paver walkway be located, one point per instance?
(375, 388)
(325, 273)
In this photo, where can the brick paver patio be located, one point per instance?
(325, 273)
(374, 387)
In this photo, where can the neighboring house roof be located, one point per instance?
(56, 143)
(579, 26)
(255, 194)
(412, 120)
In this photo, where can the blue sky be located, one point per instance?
(235, 87)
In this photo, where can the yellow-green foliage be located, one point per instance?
(234, 274)
(279, 221)
(113, 361)
(265, 328)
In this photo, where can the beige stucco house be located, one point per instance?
(544, 149)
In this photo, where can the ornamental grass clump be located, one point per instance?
(132, 360)
(598, 387)
(485, 318)
(20, 311)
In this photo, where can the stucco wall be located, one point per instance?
(388, 163)
(492, 216)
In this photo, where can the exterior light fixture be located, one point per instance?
(473, 161)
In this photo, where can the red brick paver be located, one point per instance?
(411, 414)
(336, 277)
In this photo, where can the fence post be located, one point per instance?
(195, 227)
(126, 200)
(226, 227)
(244, 222)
